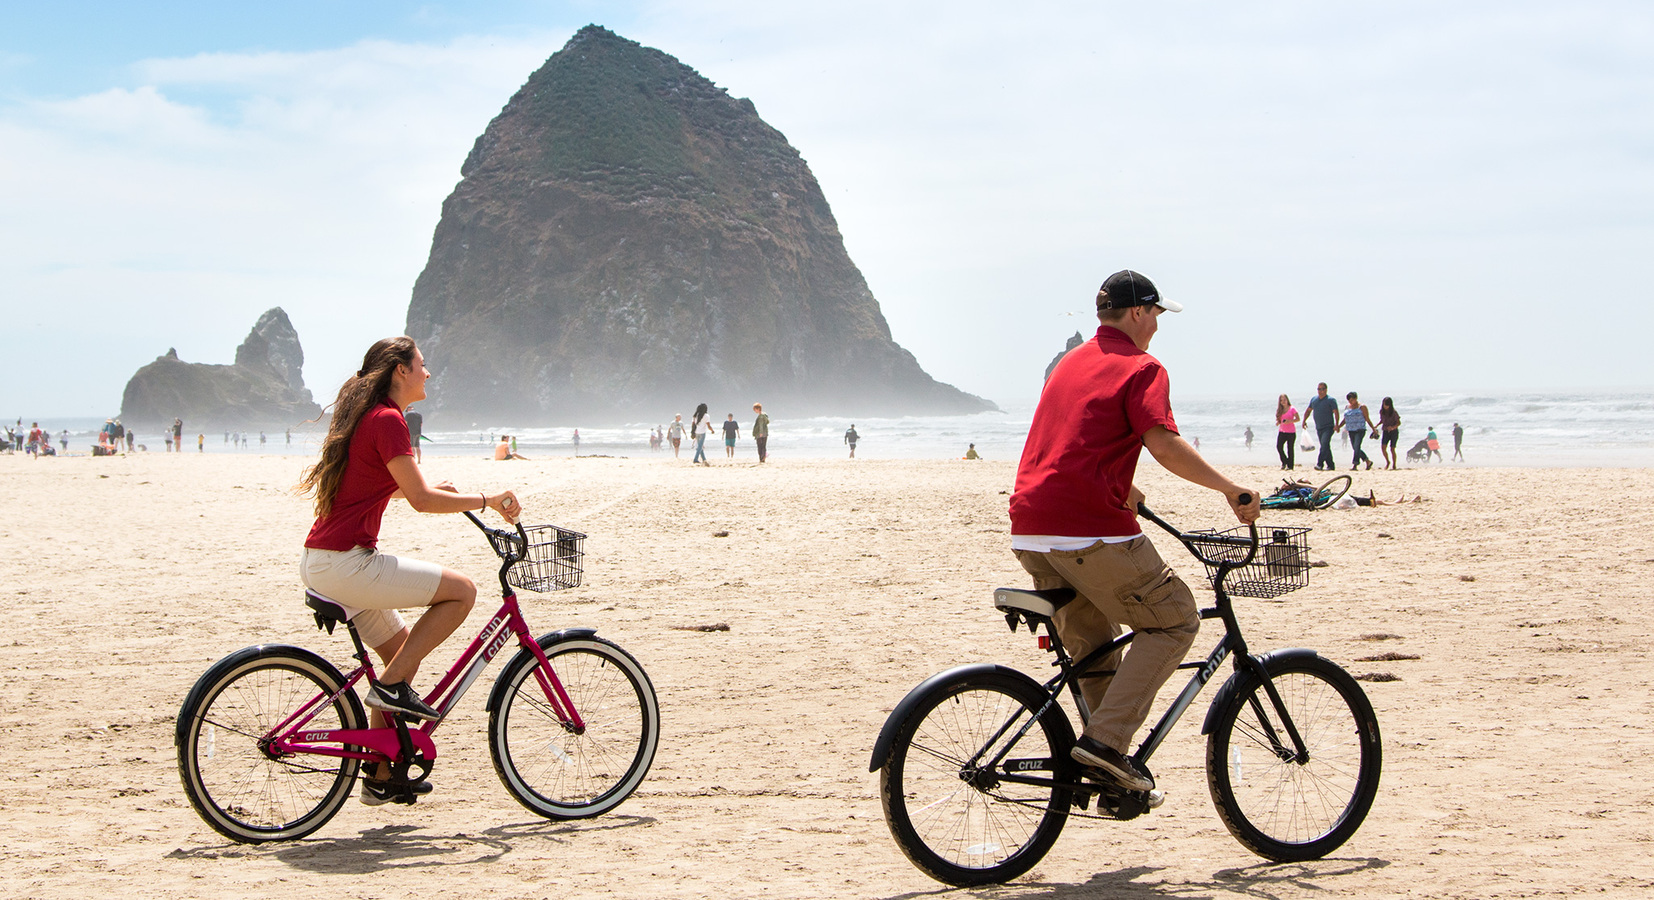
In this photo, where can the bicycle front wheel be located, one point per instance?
(950, 807)
(240, 788)
(1281, 807)
(548, 766)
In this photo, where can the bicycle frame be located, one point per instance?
(398, 742)
(1231, 642)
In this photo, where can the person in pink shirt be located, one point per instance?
(1286, 420)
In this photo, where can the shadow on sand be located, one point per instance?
(405, 847)
(1266, 881)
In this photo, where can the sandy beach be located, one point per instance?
(1517, 746)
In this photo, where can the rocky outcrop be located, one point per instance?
(629, 239)
(1073, 342)
(264, 389)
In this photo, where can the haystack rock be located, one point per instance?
(264, 389)
(628, 240)
(1073, 342)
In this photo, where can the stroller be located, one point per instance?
(1420, 451)
(1301, 495)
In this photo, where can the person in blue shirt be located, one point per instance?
(1325, 410)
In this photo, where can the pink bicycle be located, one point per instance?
(271, 739)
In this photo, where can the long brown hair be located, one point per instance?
(1281, 406)
(360, 393)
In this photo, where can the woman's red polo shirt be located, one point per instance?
(367, 486)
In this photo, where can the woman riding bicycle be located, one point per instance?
(367, 461)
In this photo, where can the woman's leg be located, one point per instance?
(1355, 436)
(455, 595)
(1284, 448)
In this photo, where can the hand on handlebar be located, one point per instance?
(507, 505)
(1246, 504)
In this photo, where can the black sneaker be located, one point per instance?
(400, 698)
(1122, 769)
(378, 793)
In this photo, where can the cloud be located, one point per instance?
(176, 211)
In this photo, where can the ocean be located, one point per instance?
(1539, 429)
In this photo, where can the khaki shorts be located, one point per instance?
(371, 585)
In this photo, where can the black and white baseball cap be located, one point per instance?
(1125, 289)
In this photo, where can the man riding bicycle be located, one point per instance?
(1074, 521)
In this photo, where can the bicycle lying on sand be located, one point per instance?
(976, 778)
(271, 738)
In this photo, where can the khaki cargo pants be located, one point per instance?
(1119, 584)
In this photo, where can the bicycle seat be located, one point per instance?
(329, 612)
(1040, 603)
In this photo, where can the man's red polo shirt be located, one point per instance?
(1082, 448)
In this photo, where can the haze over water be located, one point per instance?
(1541, 429)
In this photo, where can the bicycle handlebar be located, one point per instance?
(519, 541)
(1223, 566)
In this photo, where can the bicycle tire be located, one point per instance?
(553, 771)
(1326, 495)
(238, 789)
(949, 822)
(1280, 809)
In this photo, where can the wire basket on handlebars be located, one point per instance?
(1280, 566)
(551, 561)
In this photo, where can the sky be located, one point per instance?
(1390, 197)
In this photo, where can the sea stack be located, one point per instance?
(627, 240)
(264, 389)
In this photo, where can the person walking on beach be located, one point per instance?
(1074, 522)
(674, 433)
(731, 430)
(700, 426)
(1356, 423)
(1458, 441)
(1432, 446)
(416, 430)
(366, 460)
(1286, 432)
(1389, 431)
(1248, 437)
(851, 437)
(1325, 410)
(576, 442)
(201, 442)
(178, 433)
(761, 431)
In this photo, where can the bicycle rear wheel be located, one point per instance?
(548, 767)
(962, 823)
(242, 791)
(1285, 809)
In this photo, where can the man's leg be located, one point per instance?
(1130, 584)
(1081, 626)
(1325, 461)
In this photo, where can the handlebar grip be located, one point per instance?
(1245, 498)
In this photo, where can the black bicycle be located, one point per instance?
(976, 778)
